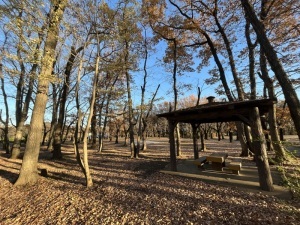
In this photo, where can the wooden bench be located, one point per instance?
(200, 162)
(217, 160)
(234, 167)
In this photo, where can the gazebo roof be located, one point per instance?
(219, 111)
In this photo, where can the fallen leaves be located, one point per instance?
(130, 191)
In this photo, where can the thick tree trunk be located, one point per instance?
(28, 173)
(275, 141)
(264, 173)
(282, 77)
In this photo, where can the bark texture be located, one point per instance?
(258, 143)
(282, 77)
(28, 173)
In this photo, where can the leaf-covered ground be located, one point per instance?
(131, 191)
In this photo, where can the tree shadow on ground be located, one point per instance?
(10, 176)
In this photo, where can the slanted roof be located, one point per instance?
(219, 111)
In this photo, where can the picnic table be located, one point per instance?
(218, 162)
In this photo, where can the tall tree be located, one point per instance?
(28, 172)
(194, 24)
(275, 63)
(25, 26)
(129, 36)
(57, 154)
(5, 142)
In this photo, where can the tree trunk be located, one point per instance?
(117, 136)
(282, 77)
(173, 162)
(264, 173)
(203, 145)
(133, 148)
(242, 139)
(195, 140)
(57, 137)
(54, 115)
(94, 128)
(15, 151)
(237, 81)
(275, 141)
(5, 142)
(251, 58)
(178, 140)
(16, 148)
(28, 173)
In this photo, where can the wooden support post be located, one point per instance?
(195, 140)
(172, 125)
(264, 173)
(230, 136)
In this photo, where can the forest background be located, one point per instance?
(92, 64)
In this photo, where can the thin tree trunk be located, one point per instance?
(242, 139)
(133, 148)
(203, 145)
(57, 154)
(84, 165)
(178, 140)
(5, 143)
(173, 162)
(94, 128)
(236, 79)
(54, 116)
(251, 58)
(89, 181)
(195, 140)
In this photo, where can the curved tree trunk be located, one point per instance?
(282, 77)
(275, 141)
